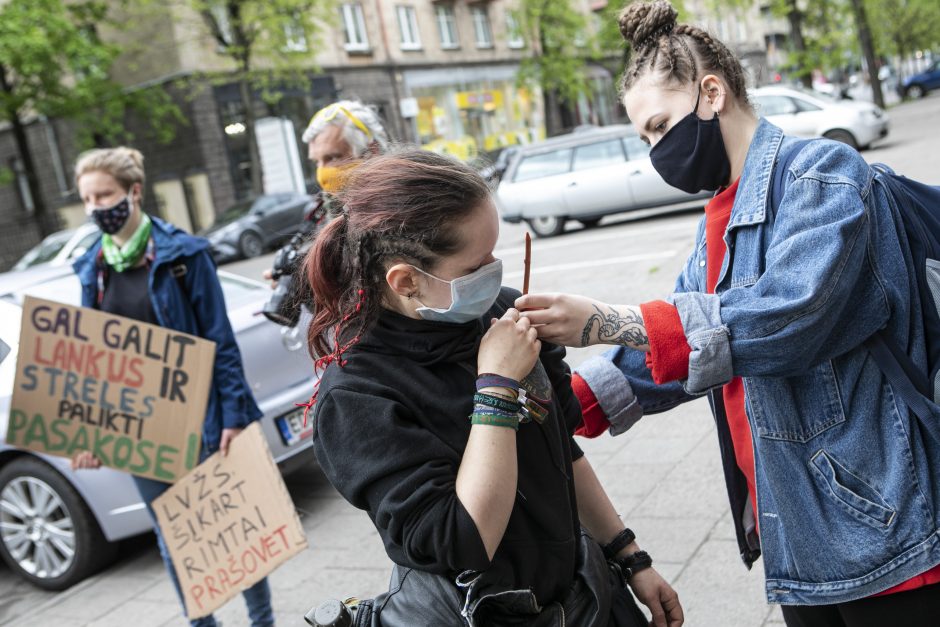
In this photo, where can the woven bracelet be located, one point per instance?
(488, 380)
(621, 540)
(495, 420)
(496, 402)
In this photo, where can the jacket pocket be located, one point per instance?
(851, 492)
(796, 409)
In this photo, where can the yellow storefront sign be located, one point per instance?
(488, 100)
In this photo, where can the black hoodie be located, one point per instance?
(390, 428)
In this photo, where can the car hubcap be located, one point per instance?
(545, 223)
(36, 528)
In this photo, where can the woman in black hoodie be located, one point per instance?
(444, 418)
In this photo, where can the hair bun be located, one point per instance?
(641, 23)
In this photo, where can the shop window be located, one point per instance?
(514, 32)
(354, 27)
(481, 27)
(540, 166)
(598, 155)
(408, 27)
(447, 26)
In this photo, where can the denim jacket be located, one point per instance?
(848, 488)
(200, 312)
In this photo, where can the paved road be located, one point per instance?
(664, 476)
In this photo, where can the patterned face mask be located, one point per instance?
(112, 219)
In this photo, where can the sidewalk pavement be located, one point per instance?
(664, 477)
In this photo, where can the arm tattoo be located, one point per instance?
(614, 327)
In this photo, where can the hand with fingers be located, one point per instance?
(85, 460)
(578, 321)
(663, 602)
(510, 347)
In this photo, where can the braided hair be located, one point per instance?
(680, 53)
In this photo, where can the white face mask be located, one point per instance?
(471, 295)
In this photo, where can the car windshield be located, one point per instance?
(45, 251)
(234, 212)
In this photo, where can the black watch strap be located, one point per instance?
(632, 564)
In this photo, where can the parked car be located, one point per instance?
(60, 248)
(58, 526)
(248, 228)
(806, 113)
(582, 176)
(918, 85)
(493, 170)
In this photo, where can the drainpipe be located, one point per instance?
(57, 166)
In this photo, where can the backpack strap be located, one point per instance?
(907, 381)
(778, 180)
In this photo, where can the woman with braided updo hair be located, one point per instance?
(799, 261)
(441, 415)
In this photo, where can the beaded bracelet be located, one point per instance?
(496, 402)
(489, 380)
(495, 420)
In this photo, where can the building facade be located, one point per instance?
(442, 74)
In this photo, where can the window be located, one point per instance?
(548, 164)
(295, 38)
(354, 27)
(513, 31)
(598, 155)
(636, 148)
(408, 27)
(775, 105)
(481, 27)
(805, 105)
(447, 26)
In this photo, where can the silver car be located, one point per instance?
(58, 526)
(806, 113)
(60, 248)
(583, 176)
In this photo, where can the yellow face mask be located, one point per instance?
(333, 178)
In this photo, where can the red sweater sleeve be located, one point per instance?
(593, 419)
(668, 359)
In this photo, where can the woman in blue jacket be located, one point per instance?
(830, 476)
(148, 270)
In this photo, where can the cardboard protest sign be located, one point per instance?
(132, 393)
(229, 523)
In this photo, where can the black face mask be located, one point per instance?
(112, 219)
(691, 156)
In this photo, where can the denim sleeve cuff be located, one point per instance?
(710, 360)
(613, 392)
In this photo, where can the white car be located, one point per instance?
(805, 113)
(583, 176)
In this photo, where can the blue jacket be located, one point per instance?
(848, 489)
(201, 312)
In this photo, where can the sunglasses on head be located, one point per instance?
(329, 113)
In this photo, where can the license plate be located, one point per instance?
(291, 427)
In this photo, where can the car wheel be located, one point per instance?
(547, 226)
(590, 224)
(916, 91)
(47, 533)
(250, 245)
(842, 136)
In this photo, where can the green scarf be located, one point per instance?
(127, 256)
